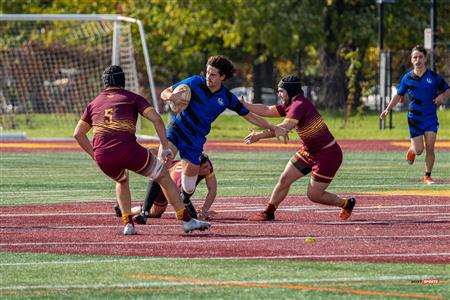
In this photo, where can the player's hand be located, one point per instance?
(281, 132)
(166, 156)
(205, 216)
(383, 114)
(251, 137)
(178, 99)
(242, 99)
(439, 100)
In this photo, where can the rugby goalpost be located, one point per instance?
(51, 65)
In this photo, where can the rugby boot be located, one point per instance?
(346, 210)
(141, 218)
(428, 180)
(410, 157)
(262, 216)
(195, 224)
(129, 229)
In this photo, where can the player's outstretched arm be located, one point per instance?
(260, 109)
(80, 134)
(391, 104)
(211, 184)
(160, 129)
(261, 122)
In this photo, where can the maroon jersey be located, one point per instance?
(113, 116)
(176, 170)
(311, 128)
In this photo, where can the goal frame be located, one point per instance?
(98, 17)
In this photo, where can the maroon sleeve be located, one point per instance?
(296, 110)
(281, 110)
(86, 117)
(142, 104)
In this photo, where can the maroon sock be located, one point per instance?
(270, 208)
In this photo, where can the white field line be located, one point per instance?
(205, 241)
(422, 214)
(166, 283)
(251, 208)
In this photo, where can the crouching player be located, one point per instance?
(155, 203)
(319, 153)
(113, 116)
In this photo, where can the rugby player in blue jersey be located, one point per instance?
(188, 130)
(427, 90)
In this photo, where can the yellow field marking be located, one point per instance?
(233, 284)
(40, 145)
(434, 193)
(438, 144)
(50, 145)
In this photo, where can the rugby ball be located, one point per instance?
(186, 96)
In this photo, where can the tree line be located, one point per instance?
(330, 44)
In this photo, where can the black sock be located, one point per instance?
(185, 196)
(153, 190)
(428, 174)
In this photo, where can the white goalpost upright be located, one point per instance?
(52, 64)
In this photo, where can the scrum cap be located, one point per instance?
(292, 85)
(113, 76)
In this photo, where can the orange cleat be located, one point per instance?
(410, 157)
(262, 216)
(428, 180)
(346, 211)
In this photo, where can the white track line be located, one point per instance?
(294, 238)
(248, 208)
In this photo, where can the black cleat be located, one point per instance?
(117, 211)
(191, 209)
(141, 218)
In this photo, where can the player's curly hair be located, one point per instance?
(224, 64)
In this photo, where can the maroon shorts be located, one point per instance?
(323, 163)
(115, 162)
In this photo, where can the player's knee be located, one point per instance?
(157, 211)
(188, 183)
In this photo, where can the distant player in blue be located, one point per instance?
(188, 130)
(427, 90)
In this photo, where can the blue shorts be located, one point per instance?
(417, 127)
(189, 147)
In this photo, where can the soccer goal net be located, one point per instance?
(51, 65)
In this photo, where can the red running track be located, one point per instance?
(382, 229)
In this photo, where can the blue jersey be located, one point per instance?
(188, 129)
(422, 91)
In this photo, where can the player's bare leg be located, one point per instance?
(416, 148)
(317, 193)
(430, 140)
(189, 171)
(279, 193)
(124, 199)
(171, 192)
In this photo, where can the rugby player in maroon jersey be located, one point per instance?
(113, 115)
(319, 152)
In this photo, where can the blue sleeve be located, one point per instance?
(190, 81)
(401, 89)
(237, 106)
(441, 83)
